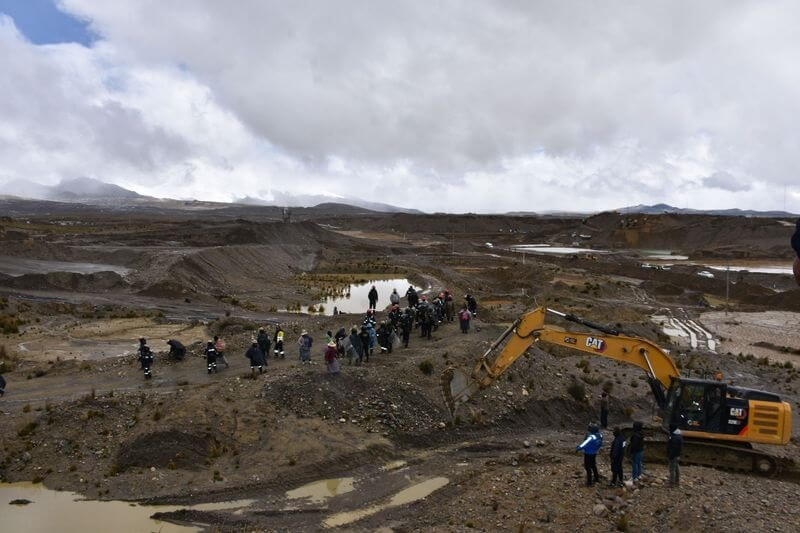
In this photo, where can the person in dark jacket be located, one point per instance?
(373, 297)
(355, 347)
(177, 351)
(263, 342)
(617, 455)
(472, 304)
(604, 410)
(145, 359)
(674, 449)
(449, 306)
(395, 315)
(590, 446)
(256, 357)
(385, 335)
(211, 357)
(366, 340)
(411, 295)
(796, 246)
(2, 385)
(406, 325)
(636, 448)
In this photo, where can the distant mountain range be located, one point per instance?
(95, 192)
(282, 198)
(659, 209)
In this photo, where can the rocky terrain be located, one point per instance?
(79, 416)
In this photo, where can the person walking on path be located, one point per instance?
(472, 304)
(412, 296)
(449, 306)
(617, 455)
(406, 325)
(263, 342)
(146, 360)
(604, 410)
(636, 448)
(211, 357)
(355, 347)
(305, 342)
(256, 357)
(674, 449)
(366, 340)
(219, 345)
(278, 341)
(330, 358)
(590, 447)
(464, 317)
(373, 297)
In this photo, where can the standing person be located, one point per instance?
(590, 446)
(395, 316)
(355, 346)
(472, 304)
(330, 358)
(177, 351)
(637, 450)
(278, 341)
(449, 306)
(385, 337)
(369, 319)
(146, 360)
(411, 295)
(373, 297)
(604, 410)
(263, 342)
(2, 385)
(211, 357)
(406, 325)
(617, 455)
(256, 357)
(796, 246)
(394, 298)
(463, 319)
(304, 342)
(219, 345)
(674, 449)
(365, 339)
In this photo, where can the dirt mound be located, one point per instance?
(789, 300)
(395, 405)
(661, 289)
(69, 281)
(167, 449)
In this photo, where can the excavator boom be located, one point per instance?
(457, 387)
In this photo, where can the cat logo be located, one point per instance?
(570, 340)
(597, 344)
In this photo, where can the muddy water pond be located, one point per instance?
(51, 510)
(353, 298)
(17, 266)
(319, 491)
(556, 250)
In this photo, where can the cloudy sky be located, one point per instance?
(444, 105)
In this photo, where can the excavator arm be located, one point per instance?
(457, 387)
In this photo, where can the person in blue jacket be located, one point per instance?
(590, 447)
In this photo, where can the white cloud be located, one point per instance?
(502, 106)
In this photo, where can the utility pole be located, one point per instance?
(727, 287)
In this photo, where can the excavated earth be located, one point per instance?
(373, 448)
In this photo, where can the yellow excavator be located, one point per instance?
(719, 422)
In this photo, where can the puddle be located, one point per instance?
(353, 297)
(65, 512)
(557, 250)
(393, 465)
(408, 495)
(319, 491)
(17, 266)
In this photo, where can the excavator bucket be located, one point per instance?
(457, 388)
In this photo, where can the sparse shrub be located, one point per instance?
(26, 408)
(27, 429)
(628, 411)
(577, 390)
(426, 367)
(634, 383)
(157, 416)
(622, 523)
(608, 386)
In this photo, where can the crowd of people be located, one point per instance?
(362, 341)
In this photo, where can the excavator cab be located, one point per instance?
(697, 405)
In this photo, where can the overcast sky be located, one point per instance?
(443, 105)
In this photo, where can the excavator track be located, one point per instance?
(715, 455)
